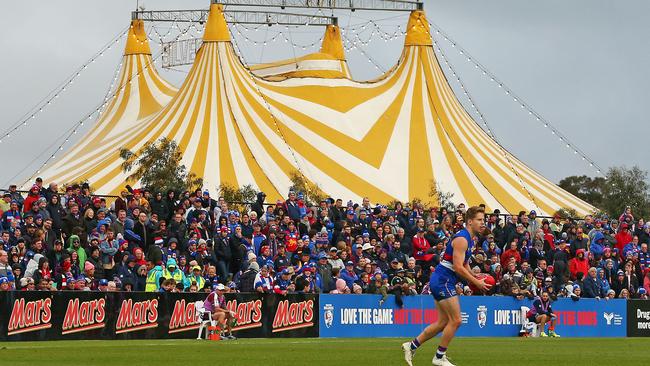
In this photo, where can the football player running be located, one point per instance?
(453, 268)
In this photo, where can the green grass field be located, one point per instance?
(338, 352)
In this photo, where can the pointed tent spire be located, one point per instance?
(332, 43)
(417, 30)
(216, 29)
(136, 41)
(140, 92)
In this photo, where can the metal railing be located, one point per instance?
(352, 5)
(235, 16)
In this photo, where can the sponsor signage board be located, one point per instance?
(482, 316)
(137, 315)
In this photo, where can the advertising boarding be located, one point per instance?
(482, 316)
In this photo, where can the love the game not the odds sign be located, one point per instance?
(482, 316)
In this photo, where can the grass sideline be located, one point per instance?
(338, 352)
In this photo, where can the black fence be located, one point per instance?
(68, 315)
(638, 318)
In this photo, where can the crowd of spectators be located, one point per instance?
(145, 240)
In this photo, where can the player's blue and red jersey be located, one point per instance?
(448, 255)
(443, 280)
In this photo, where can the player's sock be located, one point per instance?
(441, 351)
(415, 344)
(551, 328)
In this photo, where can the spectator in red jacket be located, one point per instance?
(623, 238)
(549, 238)
(32, 197)
(421, 248)
(579, 264)
(513, 252)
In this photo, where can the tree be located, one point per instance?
(158, 166)
(237, 196)
(444, 199)
(586, 188)
(626, 187)
(566, 212)
(436, 198)
(311, 191)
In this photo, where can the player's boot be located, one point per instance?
(552, 333)
(408, 353)
(543, 334)
(444, 361)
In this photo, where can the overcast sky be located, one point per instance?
(582, 64)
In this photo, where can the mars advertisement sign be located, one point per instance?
(293, 315)
(31, 316)
(81, 316)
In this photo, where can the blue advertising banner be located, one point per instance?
(362, 316)
(591, 318)
(490, 316)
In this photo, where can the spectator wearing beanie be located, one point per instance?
(349, 275)
(580, 242)
(561, 273)
(89, 275)
(263, 281)
(247, 279)
(32, 197)
(4, 284)
(618, 283)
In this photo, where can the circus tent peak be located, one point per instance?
(139, 92)
(216, 28)
(136, 40)
(329, 63)
(417, 30)
(388, 139)
(332, 42)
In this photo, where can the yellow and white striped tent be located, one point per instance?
(386, 139)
